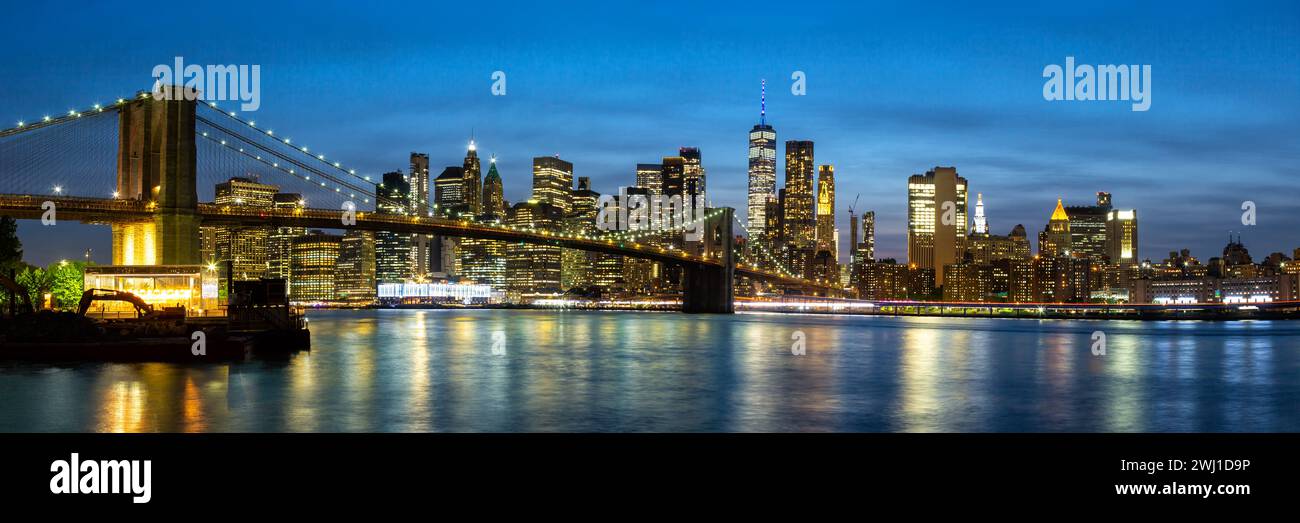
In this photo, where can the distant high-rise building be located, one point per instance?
(772, 220)
(934, 241)
(420, 205)
(420, 185)
(650, 176)
(484, 261)
(393, 262)
(1122, 236)
(868, 246)
(473, 180)
(674, 169)
(577, 265)
(826, 235)
(1088, 229)
(981, 223)
(985, 249)
(534, 269)
(245, 247)
(553, 182)
(279, 244)
(762, 169)
(354, 273)
(494, 201)
(797, 206)
(313, 260)
(1056, 239)
(449, 192)
(693, 177)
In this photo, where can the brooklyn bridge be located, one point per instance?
(160, 149)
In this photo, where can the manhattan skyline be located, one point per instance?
(915, 97)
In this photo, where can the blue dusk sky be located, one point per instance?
(892, 90)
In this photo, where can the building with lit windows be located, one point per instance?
(1056, 240)
(280, 240)
(313, 259)
(967, 281)
(553, 183)
(693, 177)
(354, 272)
(484, 261)
(798, 219)
(193, 287)
(674, 172)
(650, 176)
(931, 243)
(420, 203)
(246, 247)
(449, 192)
(472, 189)
(393, 260)
(1088, 229)
(762, 169)
(1122, 236)
(534, 270)
(827, 237)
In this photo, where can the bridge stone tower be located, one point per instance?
(708, 288)
(156, 162)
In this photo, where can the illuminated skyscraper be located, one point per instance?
(576, 264)
(494, 201)
(981, 224)
(354, 273)
(280, 242)
(420, 205)
(933, 239)
(533, 270)
(762, 169)
(553, 182)
(393, 263)
(867, 249)
(827, 239)
(484, 261)
(797, 206)
(1122, 236)
(245, 246)
(312, 261)
(1056, 239)
(472, 190)
(693, 177)
(674, 175)
(449, 192)
(650, 176)
(1088, 229)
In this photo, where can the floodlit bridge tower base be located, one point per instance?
(156, 162)
(709, 288)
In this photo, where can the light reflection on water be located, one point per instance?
(434, 370)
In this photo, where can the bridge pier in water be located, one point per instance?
(708, 288)
(156, 162)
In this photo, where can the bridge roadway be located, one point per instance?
(107, 210)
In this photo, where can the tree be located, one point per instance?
(11, 248)
(36, 280)
(66, 280)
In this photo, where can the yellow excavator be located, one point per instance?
(142, 309)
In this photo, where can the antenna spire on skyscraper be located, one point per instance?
(762, 113)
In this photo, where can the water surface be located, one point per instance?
(519, 370)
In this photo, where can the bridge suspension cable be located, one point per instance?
(286, 141)
(23, 126)
(340, 184)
